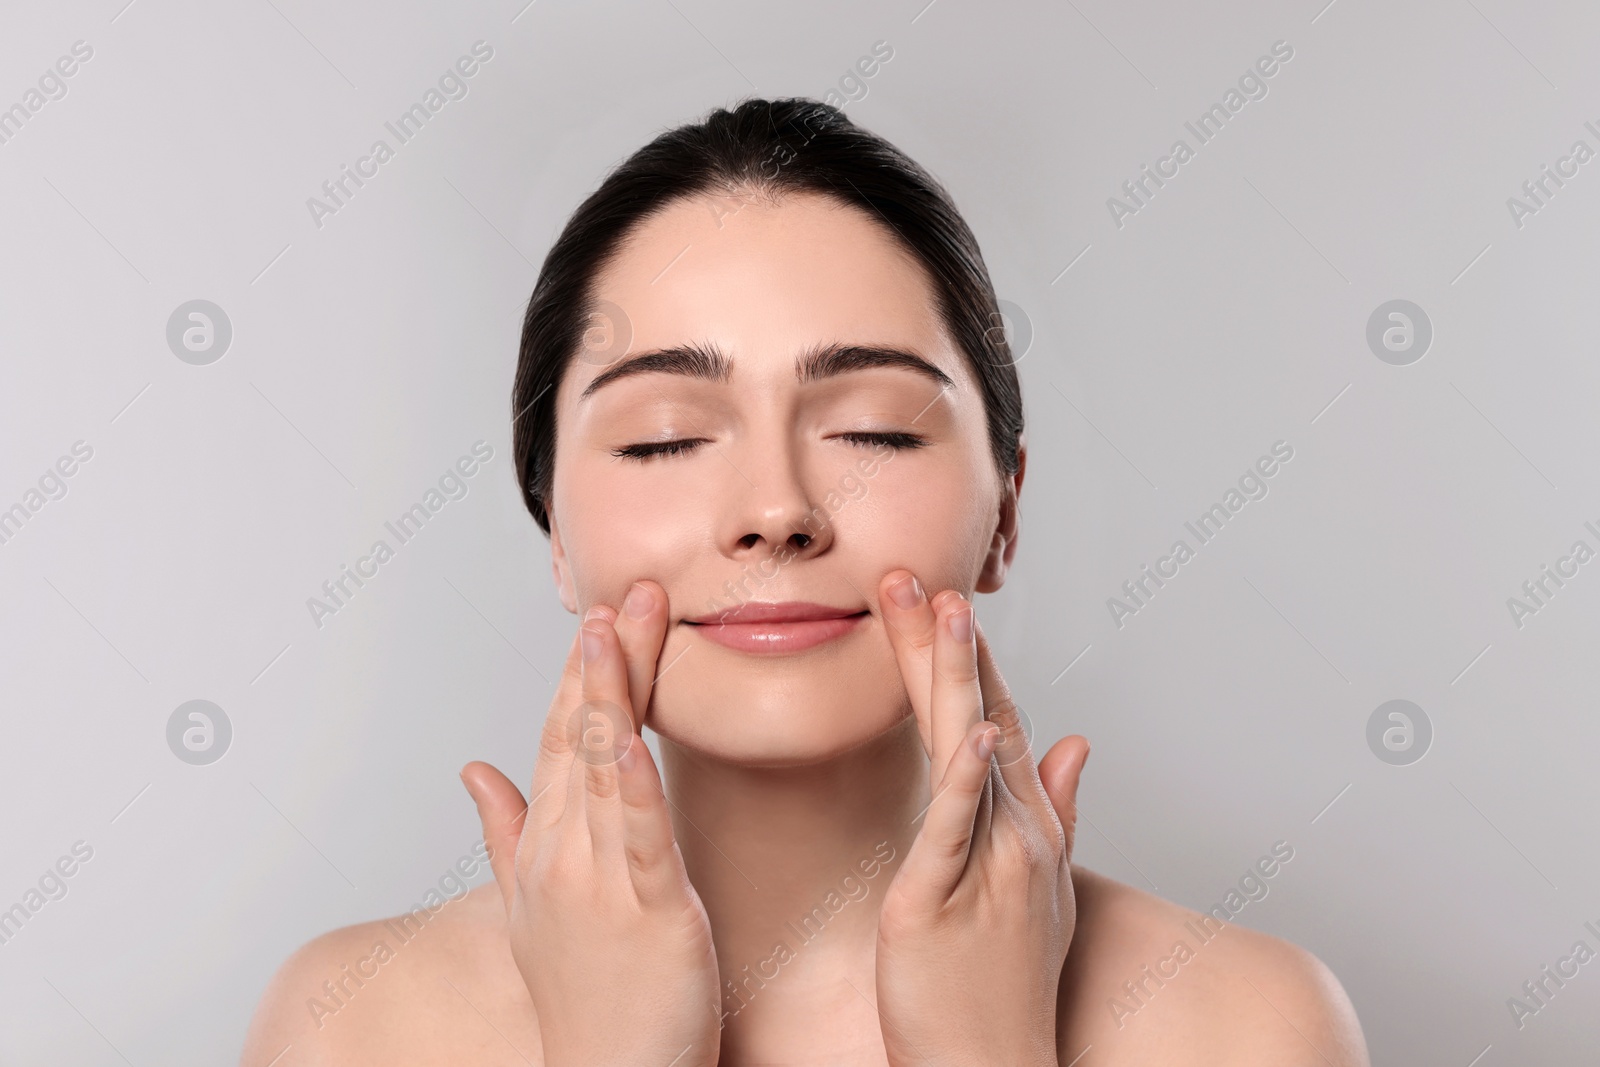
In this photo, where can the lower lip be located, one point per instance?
(778, 636)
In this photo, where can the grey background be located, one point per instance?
(369, 353)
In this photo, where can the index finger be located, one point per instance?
(1014, 748)
(909, 620)
(642, 628)
(557, 746)
(956, 700)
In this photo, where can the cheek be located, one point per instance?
(934, 522)
(616, 529)
(609, 546)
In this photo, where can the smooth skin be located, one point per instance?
(977, 919)
(600, 909)
(635, 907)
(976, 924)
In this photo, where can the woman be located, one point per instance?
(765, 417)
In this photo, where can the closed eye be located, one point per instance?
(895, 439)
(647, 450)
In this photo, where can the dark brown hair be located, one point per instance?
(764, 148)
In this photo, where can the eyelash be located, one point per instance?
(648, 450)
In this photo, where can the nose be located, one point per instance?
(774, 515)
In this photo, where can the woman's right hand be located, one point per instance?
(609, 934)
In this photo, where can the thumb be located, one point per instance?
(1060, 771)
(501, 810)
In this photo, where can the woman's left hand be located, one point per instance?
(974, 928)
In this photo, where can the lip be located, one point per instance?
(791, 626)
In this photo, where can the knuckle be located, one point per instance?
(1006, 714)
(642, 801)
(556, 740)
(554, 751)
(1012, 847)
(960, 665)
(1024, 843)
(561, 872)
(601, 782)
(950, 847)
(646, 861)
(898, 919)
(1057, 845)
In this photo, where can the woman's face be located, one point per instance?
(792, 479)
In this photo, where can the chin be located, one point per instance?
(764, 709)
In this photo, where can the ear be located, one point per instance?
(559, 569)
(1003, 544)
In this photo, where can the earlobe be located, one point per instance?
(997, 563)
(1003, 543)
(993, 575)
(559, 570)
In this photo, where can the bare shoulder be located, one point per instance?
(422, 987)
(1147, 980)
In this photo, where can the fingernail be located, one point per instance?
(591, 644)
(596, 612)
(637, 604)
(986, 742)
(629, 757)
(961, 625)
(907, 592)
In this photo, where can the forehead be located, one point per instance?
(765, 281)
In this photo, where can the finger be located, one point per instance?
(1014, 752)
(552, 767)
(909, 620)
(607, 731)
(1061, 770)
(642, 626)
(939, 854)
(501, 810)
(652, 854)
(956, 702)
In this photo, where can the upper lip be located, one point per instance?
(784, 611)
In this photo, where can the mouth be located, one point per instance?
(792, 626)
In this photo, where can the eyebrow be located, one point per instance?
(708, 363)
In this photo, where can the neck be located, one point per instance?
(792, 864)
